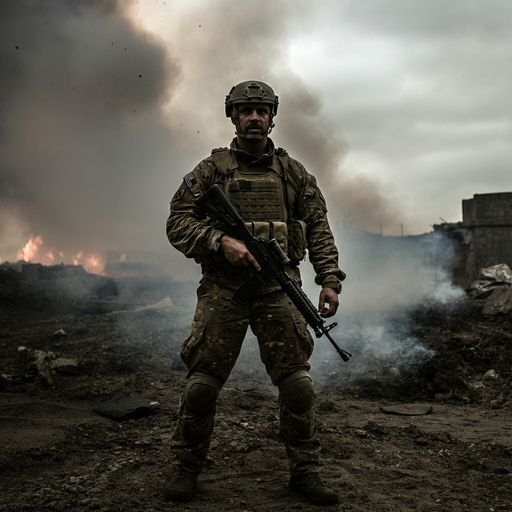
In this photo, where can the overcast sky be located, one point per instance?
(419, 92)
(402, 108)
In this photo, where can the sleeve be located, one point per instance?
(323, 253)
(188, 229)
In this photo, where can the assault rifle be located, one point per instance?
(272, 260)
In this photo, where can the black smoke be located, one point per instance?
(82, 137)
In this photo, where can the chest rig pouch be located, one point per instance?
(261, 198)
(258, 199)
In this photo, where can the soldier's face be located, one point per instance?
(252, 118)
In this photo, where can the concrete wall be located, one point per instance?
(489, 218)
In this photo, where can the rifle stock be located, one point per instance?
(272, 260)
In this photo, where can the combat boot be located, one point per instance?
(314, 489)
(180, 486)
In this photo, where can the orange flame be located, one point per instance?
(35, 252)
(31, 249)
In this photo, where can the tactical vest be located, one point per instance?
(259, 198)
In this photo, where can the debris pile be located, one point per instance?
(494, 289)
(40, 366)
(59, 288)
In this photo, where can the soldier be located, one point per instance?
(277, 198)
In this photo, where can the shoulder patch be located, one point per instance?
(179, 194)
(190, 179)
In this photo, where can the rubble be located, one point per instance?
(408, 409)
(41, 361)
(494, 288)
(62, 288)
(122, 407)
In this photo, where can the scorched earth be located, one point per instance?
(123, 336)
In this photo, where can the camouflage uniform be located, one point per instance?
(276, 197)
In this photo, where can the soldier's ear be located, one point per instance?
(234, 114)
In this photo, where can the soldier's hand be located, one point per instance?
(329, 302)
(237, 253)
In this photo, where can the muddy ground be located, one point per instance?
(56, 453)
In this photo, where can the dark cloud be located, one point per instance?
(82, 135)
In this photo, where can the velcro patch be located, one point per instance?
(190, 179)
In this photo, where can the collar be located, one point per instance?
(269, 157)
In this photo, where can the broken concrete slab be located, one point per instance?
(490, 278)
(408, 409)
(499, 302)
(122, 407)
(494, 287)
(500, 273)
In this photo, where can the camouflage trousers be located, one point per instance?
(217, 332)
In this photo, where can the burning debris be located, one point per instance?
(35, 250)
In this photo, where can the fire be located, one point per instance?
(31, 249)
(35, 251)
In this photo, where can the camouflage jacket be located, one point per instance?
(193, 234)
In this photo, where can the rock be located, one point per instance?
(42, 363)
(408, 409)
(57, 335)
(122, 407)
(64, 365)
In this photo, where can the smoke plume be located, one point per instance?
(82, 134)
(226, 44)
(100, 118)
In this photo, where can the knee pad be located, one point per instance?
(201, 392)
(298, 391)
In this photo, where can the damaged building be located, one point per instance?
(483, 238)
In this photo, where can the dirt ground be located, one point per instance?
(58, 454)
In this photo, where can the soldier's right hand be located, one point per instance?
(237, 253)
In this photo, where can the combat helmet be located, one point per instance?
(251, 91)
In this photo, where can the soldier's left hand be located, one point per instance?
(329, 302)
